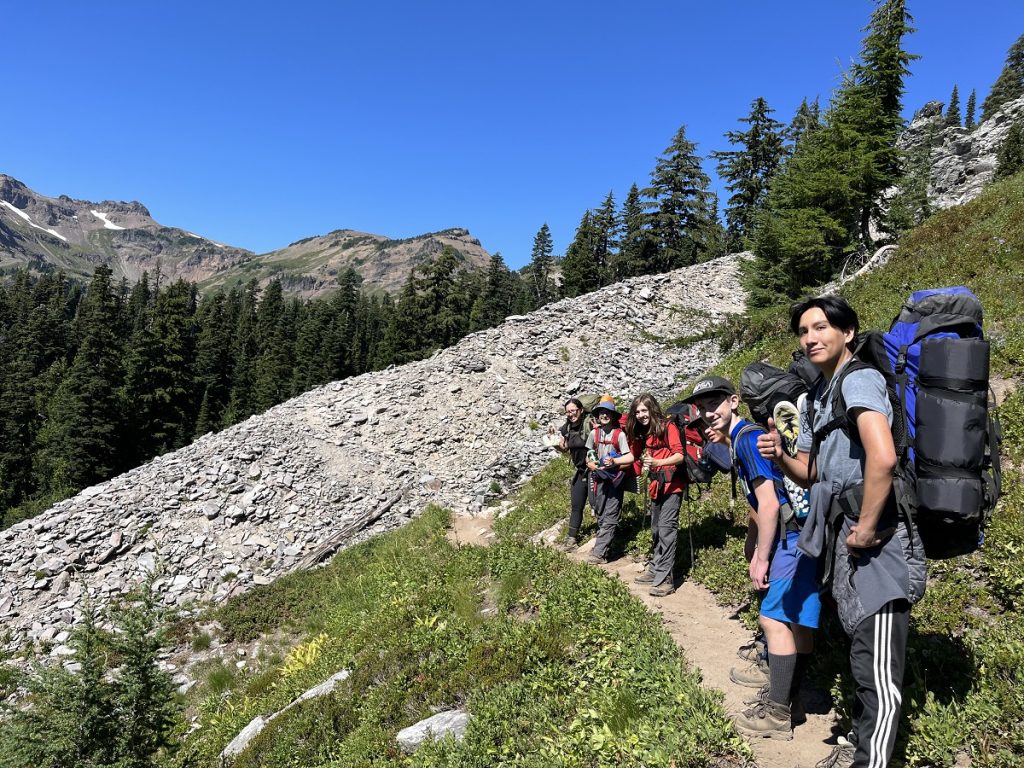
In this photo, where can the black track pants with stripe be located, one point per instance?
(878, 657)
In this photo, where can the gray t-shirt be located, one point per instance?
(606, 447)
(894, 570)
(841, 459)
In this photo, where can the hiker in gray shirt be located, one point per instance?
(874, 562)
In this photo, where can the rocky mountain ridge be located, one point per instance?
(961, 161)
(355, 458)
(62, 233)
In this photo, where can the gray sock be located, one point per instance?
(781, 670)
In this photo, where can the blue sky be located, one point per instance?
(257, 124)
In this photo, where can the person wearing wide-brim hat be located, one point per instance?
(609, 461)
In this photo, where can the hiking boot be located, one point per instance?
(754, 676)
(569, 544)
(644, 578)
(798, 715)
(767, 719)
(841, 755)
(753, 649)
(662, 590)
(595, 559)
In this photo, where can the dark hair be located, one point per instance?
(657, 426)
(574, 401)
(837, 311)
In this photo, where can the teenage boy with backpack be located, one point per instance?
(872, 558)
(789, 611)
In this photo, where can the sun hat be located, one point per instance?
(607, 403)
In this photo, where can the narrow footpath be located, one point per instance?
(707, 633)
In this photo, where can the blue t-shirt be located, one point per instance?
(752, 466)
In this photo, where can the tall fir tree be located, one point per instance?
(581, 268)
(969, 112)
(1010, 83)
(542, 262)
(824, 203)
(749, 170)
(806, 120)
(275, 339)
(605, 222)
(678, 204)
(244, 350)
(953, 110)
(78, 441)
(636, 249)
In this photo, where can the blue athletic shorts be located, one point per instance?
(792, 589)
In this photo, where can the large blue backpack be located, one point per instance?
(935, 360)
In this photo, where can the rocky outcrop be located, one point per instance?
(361, 456)
(962, 161)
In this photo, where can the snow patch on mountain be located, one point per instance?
(31, 223)
(107, 223)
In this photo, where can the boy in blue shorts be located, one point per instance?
(789, 611)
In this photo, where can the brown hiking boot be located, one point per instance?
(767, 719)
(569, 544)
(841, 755)
(644, 578)
(754, 676)
(753, 649)
(662, 590)
(595, 559)
(798, 715)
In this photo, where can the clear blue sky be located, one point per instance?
(257, 123)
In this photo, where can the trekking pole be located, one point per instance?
(689, 524)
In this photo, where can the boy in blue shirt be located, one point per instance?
(790, 609)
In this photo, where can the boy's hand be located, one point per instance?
(769, 445)
(864, 538)
(758, 571)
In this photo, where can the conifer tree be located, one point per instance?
(1010, 158)
(273, 366)
(213, 361)
(606, 227)
(678, 205)
(953, 110)
(749, 170)
(581, 269)
(542, 261)
(244, 349)
(969, 116)
(636, 249)
(806, 120)
(78, 439)
(495, 301)
(1010, 83)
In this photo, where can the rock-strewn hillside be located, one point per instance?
(74, 236)
(258, 500)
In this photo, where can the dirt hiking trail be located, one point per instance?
(709, 635)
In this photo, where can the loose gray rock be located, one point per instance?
(453, 722)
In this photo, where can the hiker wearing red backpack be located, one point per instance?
(790, 607)
(610, 464)
(655, 441)
(857, 523)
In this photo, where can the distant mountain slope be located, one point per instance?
(47, 234)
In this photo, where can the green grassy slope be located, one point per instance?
(556, 662)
